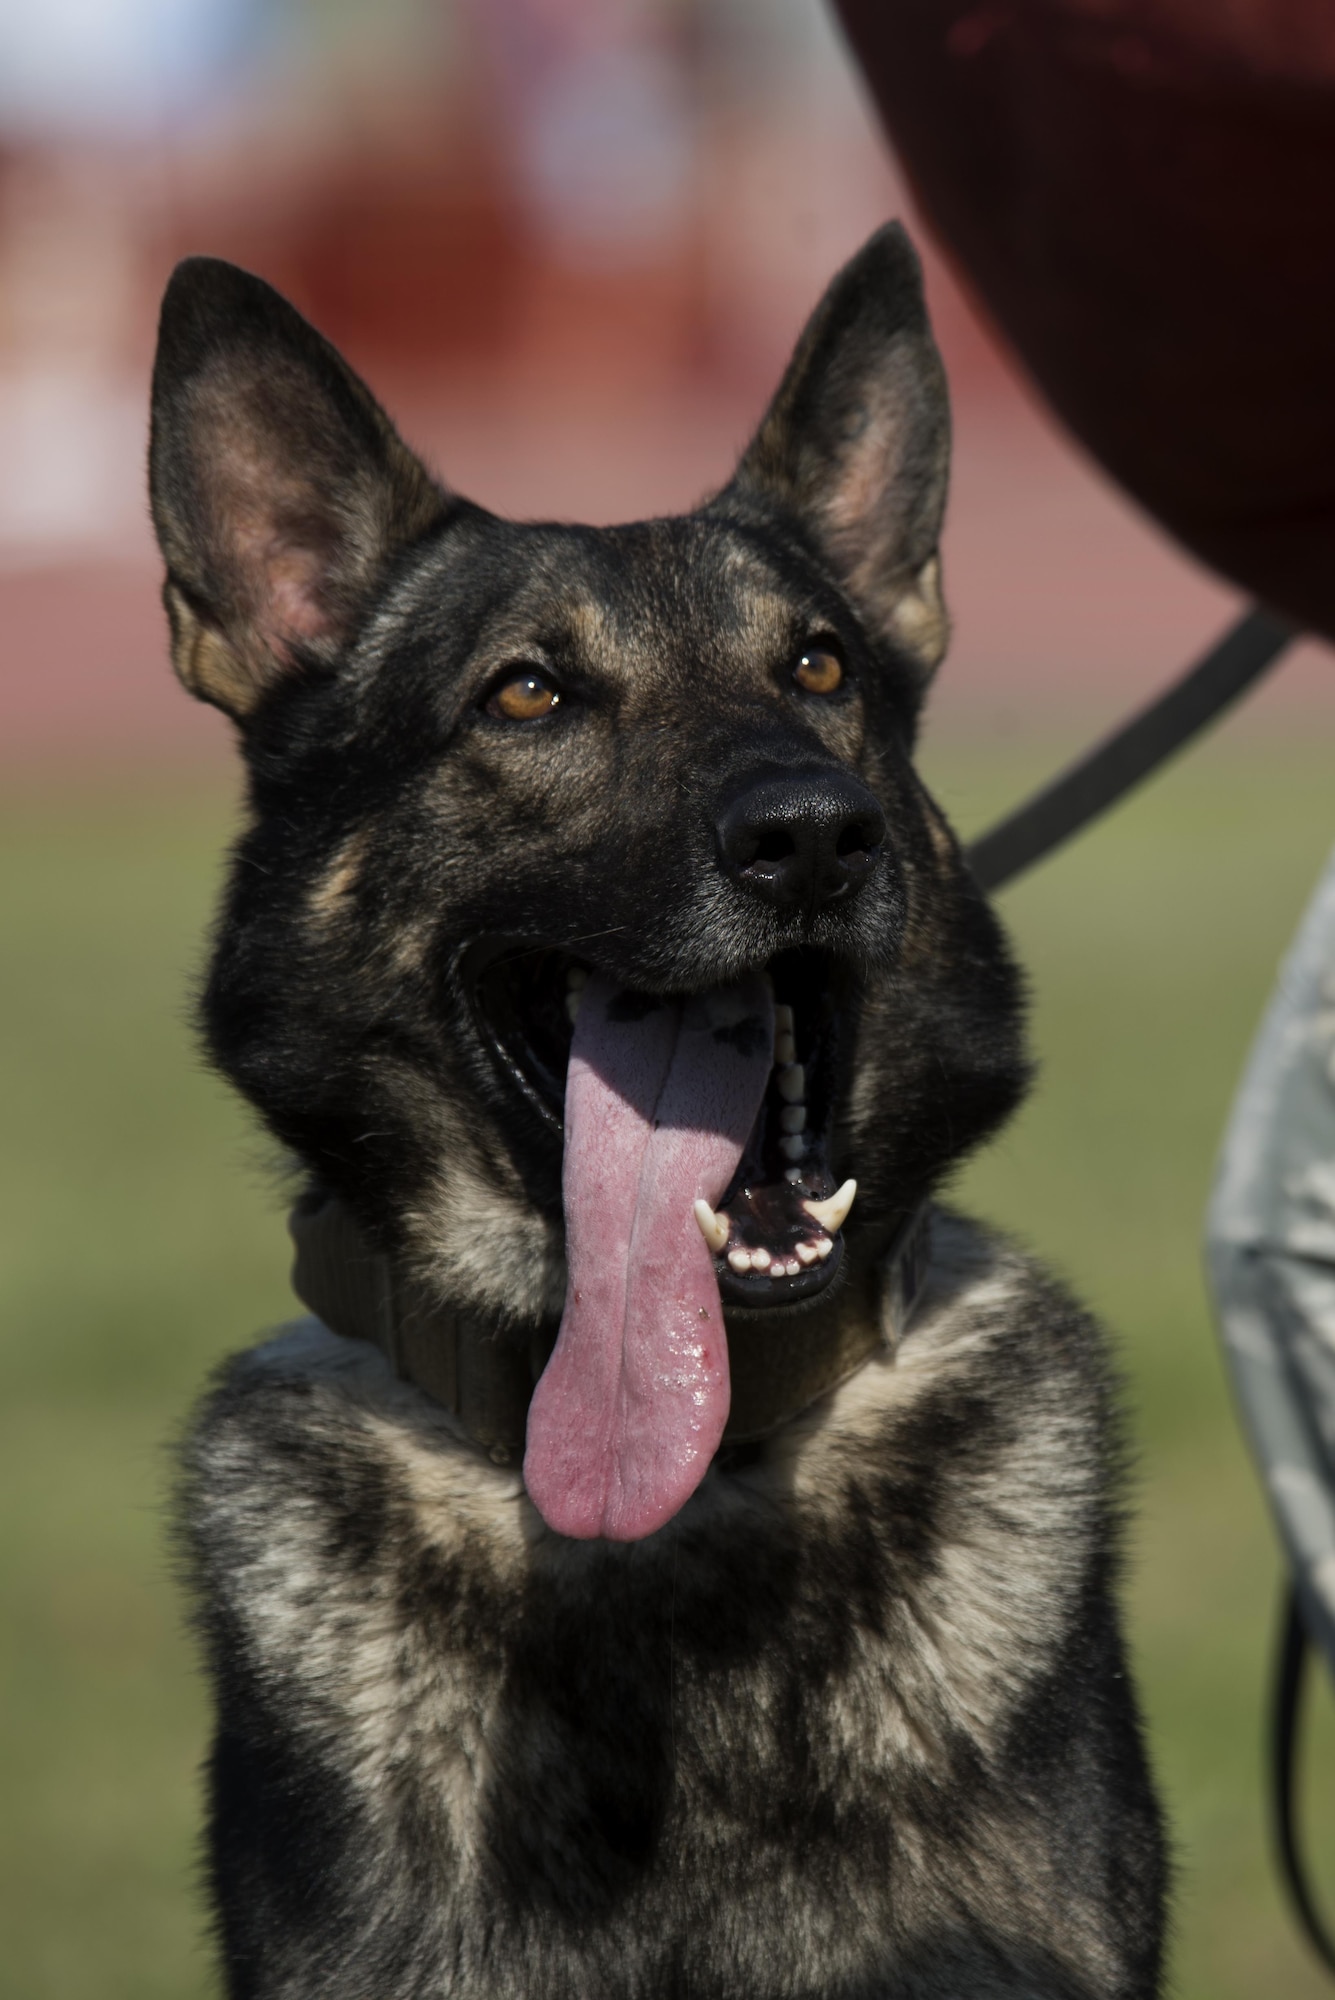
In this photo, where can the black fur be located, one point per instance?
(857, 1721)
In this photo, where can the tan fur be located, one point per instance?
(915, 615)
(206, 665)
(481, 1242)
(340, 877)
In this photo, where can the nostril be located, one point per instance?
(775, 845)
(857, 839)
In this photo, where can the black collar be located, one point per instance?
(486, 1375)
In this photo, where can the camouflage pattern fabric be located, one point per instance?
(1270, 1250)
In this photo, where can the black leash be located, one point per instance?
(1286, 1706)
(1109, 771)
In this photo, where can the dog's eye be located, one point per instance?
(819, 671)
(524, 698)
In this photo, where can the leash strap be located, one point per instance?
(1114, 767)
(1290, 1669)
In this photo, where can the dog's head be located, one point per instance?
(654, 779)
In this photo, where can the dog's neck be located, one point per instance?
(486, 1375)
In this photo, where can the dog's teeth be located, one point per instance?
(792, 1083)
(793, 1118)
(823, 1246)
(806, 1253)
(785, 1049)
(577, 978)
(783, 1020)
(760, 1259)
(793, 1146)
(714, 1228)
(792, 1173)
(740, 1260)
(573, 1000)
(831, 1214)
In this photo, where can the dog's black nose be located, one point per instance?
(803, 840)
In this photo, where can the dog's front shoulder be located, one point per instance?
(306, 1445)
(996, 1346)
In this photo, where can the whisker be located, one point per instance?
(563, 944)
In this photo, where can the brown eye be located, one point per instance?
(818, 671)
(524, 698)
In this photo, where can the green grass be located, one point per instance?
(141, 1237)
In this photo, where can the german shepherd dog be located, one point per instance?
(649, 1571)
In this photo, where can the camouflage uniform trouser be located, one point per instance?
(1270, 1249)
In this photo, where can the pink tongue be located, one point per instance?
(660, 1099)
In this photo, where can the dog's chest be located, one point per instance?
(540, 1697)
(541, 1762)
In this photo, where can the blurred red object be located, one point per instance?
(1142, 193)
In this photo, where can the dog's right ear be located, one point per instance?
(280, 489)
(856, 446)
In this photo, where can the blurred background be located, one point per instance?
(570, 244)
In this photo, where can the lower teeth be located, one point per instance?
(765, 1265)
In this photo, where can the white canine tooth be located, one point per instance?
(783, 1020)
(823, 1246)
(793, 1146)
(577, 978)
(792, 1173)
(792, 1083)
(793, 1118)
(760, 1259)
(714, 1228)
(806, 1253)
(832, 1213)
(740, 1260)
(573, 999)
(785, 1049)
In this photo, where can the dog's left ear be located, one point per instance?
(856, 444)
(281, 492)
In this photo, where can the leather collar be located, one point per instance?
(486, 1375)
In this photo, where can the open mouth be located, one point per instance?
(776, 1234)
